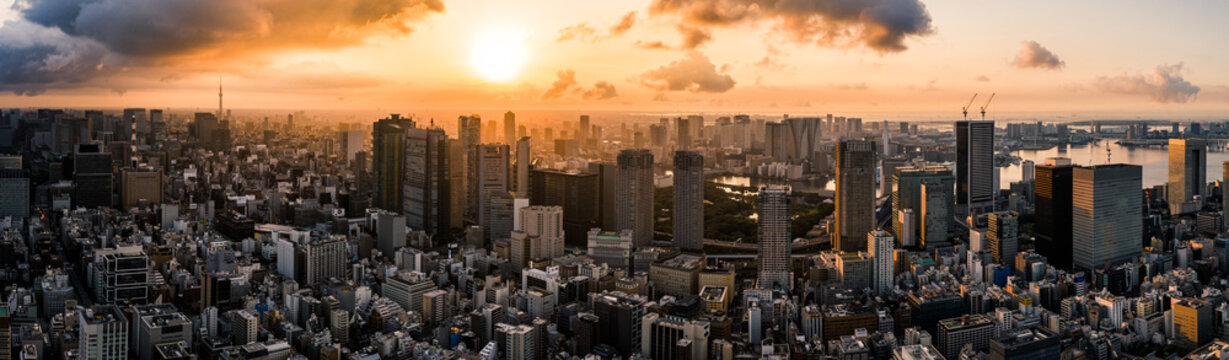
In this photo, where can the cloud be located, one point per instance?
(929, 86)
(98, 37)
(693, 37)
(601, 91)
(1164, 84)
(660, 97)
(850, 87)
(982, 78)
(624, 24)
(880, 25)
(694, 73)
(652, 45)
(769, 61)
(566, 80)
(584, 32)
(1033, 55)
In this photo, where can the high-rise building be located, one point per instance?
(661, 334)
(427, 180)
(634, 202)
(855, 194)
(1192, 322)
(388, 161)
(688, 211)
(520, 341)
(488, 177)
(936, 214)
(1224, 189)
(141, 186)
(390, 232)
(1052, 210)
(1002, 237)
(509, 128)
(974, 167)
(244, 326)
(576, 192)
(881, 245)
(1188, 169)
(350, 143)
(324, 259)
(14, 193)
(204, 127)
(611, 248)
(684, 134)
(608, 185)
(6, 331)
(620, 318)
(1027, 344)
(102, 333)
(522, 166)
(157, 324)
(469, 135)
(92, 177)
(774, 236)
(120, 274)
(543, 224)
(1107, 205)
(908, 185)
(955, 333)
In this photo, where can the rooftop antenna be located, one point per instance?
(965, 109)
(983, 107)
(220, 112)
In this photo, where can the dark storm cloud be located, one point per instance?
(1033, 55)
(881, 25)
(1164, 84)
(694, 72)
(80, 40)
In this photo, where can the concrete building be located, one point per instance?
(660, 335)
(634, 203)
(1002, 236)
(157, 324)
(1192, 322)
(974, 167)
(102, 333)
(426, 203)
(855, 194)
(908, 187)
(621, 316)
(578, 194)
(15, 193)
(882, 245)
(1188, 169)
(119, 274)
(1052, 211)
(388, 161)
(774, 237)
(244, 326)
(489, 178)
(611, 248)
(1113, 232)
(523, 162)
(1026, 344)
(688, 211)
(677, 276)
(954, 333)
(141, 186)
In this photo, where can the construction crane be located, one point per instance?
(965, 109)
(983, 107)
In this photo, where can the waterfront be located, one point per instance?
(1155, 160)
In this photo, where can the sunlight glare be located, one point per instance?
(499, 54)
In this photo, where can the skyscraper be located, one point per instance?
(1224, 190)
(688, 200)
(545, 223)
(576, 192)
(488, 170)
(635, 194)
(1002, 237)
(1112, 233)
(974, 167)
(522, 166)
(1188, 169)
(509, 128)
(583, 135)
(92, 177)
(684, 134)
(907, 193)
(608, 185)
(881, 244)
(469, 134)
(14, 193)
(1052, 209)
(620, 316)
(774, 233)
(427, 180)
(388, 161)
(936, 214)
(855, 194)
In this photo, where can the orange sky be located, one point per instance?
(1057, 58)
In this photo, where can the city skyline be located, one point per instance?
(900, 57)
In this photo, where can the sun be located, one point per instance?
(498, 55)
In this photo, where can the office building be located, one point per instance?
(661, 335)
(688, 211)
(916, 352)
(1188, 169)
(427, 180)
(1052, 211)
(141, 187)
(509, 128)
(388, 161)
(541, 236)
(349, 143)
(634, 202)
(324, 259)
(92, 177)
(684, 134)
(14, 193)
(855, 194)
(390, 232)
(520, 340)
(955, 333)
(1002, 236)
(120, 274)
(621, 316)
(523, 171)
(678, 275)
(774, 237)
(1026, 344)
(1192, 322)
(488, 178)
(909, 185)
(102, 333)
(469, 135)
(244, 326)
(611, 248)
(881, 245)
(158, 324)
(576, 192)
(974, 167)
(608, 185)
(1113, 233)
